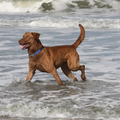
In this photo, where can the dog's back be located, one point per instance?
(60, 54)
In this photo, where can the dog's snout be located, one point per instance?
(19, 41)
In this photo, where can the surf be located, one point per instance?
(18, 6)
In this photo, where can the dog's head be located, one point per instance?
(29, 39)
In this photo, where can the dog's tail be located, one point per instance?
(81, 37)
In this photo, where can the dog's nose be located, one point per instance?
(19, 41)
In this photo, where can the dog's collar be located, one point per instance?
(37, 52)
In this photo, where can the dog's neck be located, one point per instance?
(34, 48)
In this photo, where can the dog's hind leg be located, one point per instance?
(55, 75)
(82, 68)
(74, 65)
(68, 72)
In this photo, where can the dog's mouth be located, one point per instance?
(25, 46)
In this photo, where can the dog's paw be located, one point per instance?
(83, 77)
(75, 79)
(26, 81)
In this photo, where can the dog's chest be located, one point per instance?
(38, 65)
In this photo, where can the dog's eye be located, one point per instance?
(27, 36)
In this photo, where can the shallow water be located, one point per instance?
(98, 97)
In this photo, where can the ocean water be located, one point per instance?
(57, 21)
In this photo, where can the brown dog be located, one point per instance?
(48, 59)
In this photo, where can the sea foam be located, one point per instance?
(58, 5)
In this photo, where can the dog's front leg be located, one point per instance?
(30, 75)
(55, 75)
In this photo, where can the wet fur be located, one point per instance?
(51, 58)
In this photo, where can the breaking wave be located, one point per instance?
(14, 6)
(63, 22)
(62, 13)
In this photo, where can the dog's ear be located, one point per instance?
(36, 35)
